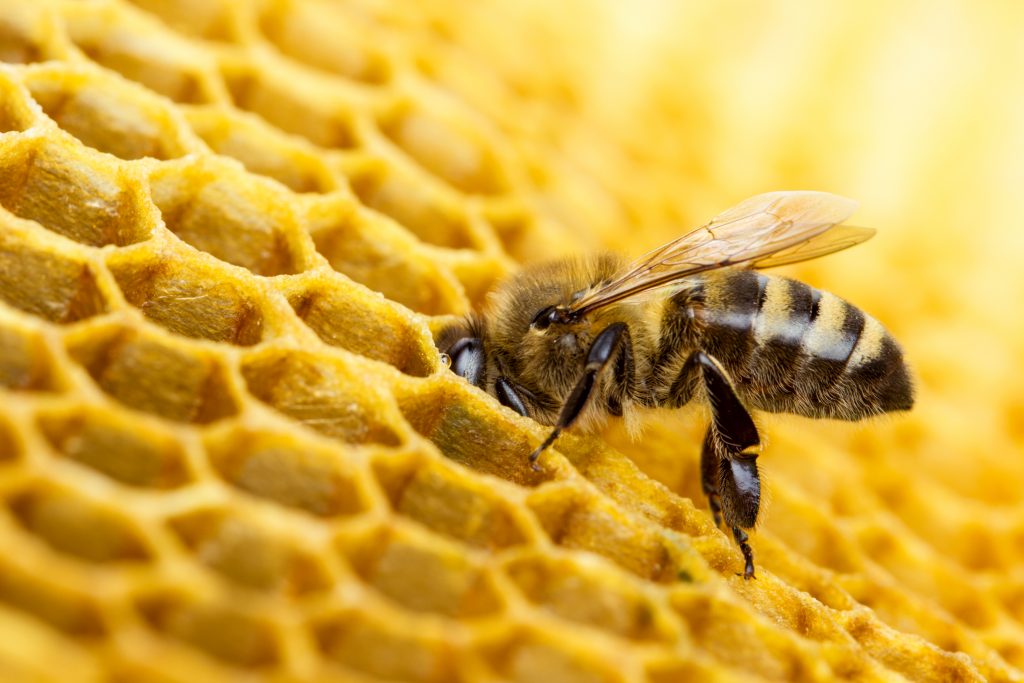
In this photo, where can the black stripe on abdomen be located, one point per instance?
(803, 340)
(779, 329)
(827, 346)
(731, 305)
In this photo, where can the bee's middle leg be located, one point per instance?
(732, 432)
(709, 474)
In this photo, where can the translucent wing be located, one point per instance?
(834, 239)
(768, 230)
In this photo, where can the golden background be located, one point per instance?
(222, 457)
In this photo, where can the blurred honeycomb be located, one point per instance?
(228, 450)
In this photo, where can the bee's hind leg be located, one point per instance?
(732, 432)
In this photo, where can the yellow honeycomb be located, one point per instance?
(228, 449)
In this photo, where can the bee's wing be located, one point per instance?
(770, 229)
(834, 239)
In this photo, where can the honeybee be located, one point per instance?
(569, 342)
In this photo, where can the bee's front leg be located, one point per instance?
(737, 484)
(509, 395)
(601, 352)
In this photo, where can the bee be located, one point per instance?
(570, 342)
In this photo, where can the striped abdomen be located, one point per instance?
(791, 348)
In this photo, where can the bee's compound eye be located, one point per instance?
(544, 318)
(468, 360)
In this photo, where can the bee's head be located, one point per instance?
(539, 298)
(527, 323)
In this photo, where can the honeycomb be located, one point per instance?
(228, 448)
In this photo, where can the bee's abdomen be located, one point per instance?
(792, 348)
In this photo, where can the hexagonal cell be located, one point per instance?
(889, 604)
(477, 272)
(219, 209)
(294, 101)
(469, 430)
(287, 470)
(369, 644)
(248, 555)
(922, 571)
(200, 18)
(427, 213)
(121, 447)
(347, 316)
(72, 194)
(42, 280)
(324, 394)
(581, 593)
(524, 234)
(446, 145)
(323, 35)
(720, 627)
(421, 572)
(142, 51)
(15, 114)
(222, 631)
(190, 298)
(153, 375)
(29, 590)
(385, 259)
(577, 518)
(472, 512)
(76, 526)
(25, 363)
(107, 114)
(262, 149)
